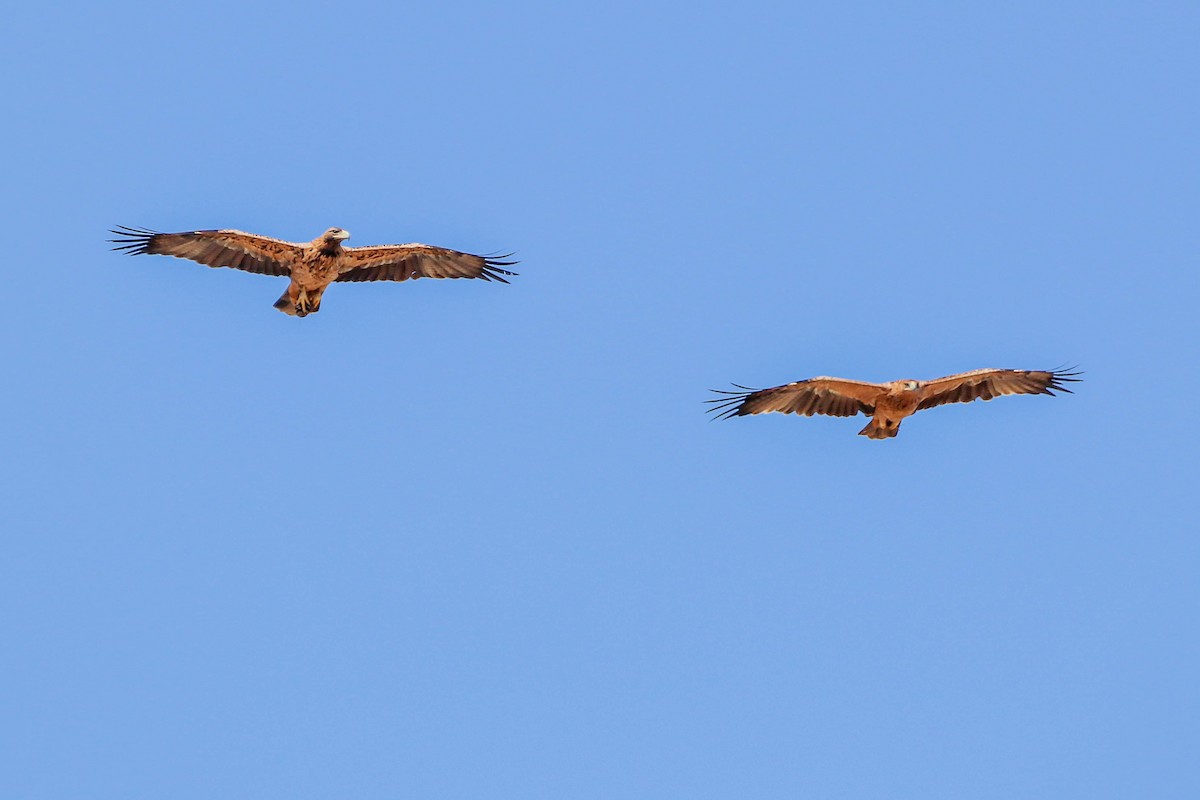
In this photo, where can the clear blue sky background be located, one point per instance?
(464, 540)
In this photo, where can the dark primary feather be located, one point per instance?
(134, 241)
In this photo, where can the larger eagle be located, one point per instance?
(313, 266)
(887, 403)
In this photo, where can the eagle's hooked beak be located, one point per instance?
(341, 235)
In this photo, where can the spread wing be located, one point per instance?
(399, 262)
(984, 384)
(235, 249)
(835, 397)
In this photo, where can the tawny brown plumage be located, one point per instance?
(887, 404)
(315, 265)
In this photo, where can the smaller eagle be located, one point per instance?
(313, 266)
(887, 403)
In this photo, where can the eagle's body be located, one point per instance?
(891, 407)
(317, 267)
(887, 404)
(312, 266)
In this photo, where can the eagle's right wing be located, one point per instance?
(228, 248)
(984, 384)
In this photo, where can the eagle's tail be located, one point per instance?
(300, 305)
(285, 304)
(880, 428)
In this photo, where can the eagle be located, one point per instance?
(887, 403)
(313, 266)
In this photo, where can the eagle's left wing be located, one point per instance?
(834, 397)
(400, 262)
(984, 384)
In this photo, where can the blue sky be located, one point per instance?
(453, 539)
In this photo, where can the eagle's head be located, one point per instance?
(910, 386)
(335, 235)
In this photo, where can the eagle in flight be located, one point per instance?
(312, 267)
(887, 403)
